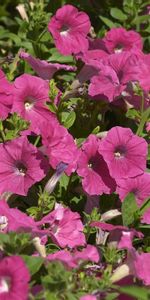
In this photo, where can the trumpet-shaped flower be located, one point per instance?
(59, 145)
(65, 227)
(21, 165)
(93, 169)
(44, 69)
(69, 28)
(30, 95)
(139, 186)
(124, 152)
(119, 39)
(14, 278)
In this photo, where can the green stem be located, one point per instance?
(37, 140)
(144, 205)
(41, 35)
(144, 119)
(3, 135)
(142, 103)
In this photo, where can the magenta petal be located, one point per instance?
(43, 68)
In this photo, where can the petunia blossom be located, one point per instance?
(117, 40)
(88, 297)
(139, 186)
(136, 100)
(59, 145)
(21, 165)
(116, 72)
(65, 227)
(12, 219)
(14, 278)
(146, 217)
(119, 236)
(6, 98)
(140, 265)
(92, 167)
(69, 28)
(64, 257)
(44, 69)
(124, 152)
(148, 126)
(74, 259)
(30, 95)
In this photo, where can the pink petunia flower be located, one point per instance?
(64, 257)
(139, 265)
(5, 96)
(73, 260)
(120, 236)
(93, 169)
(30, 95)
(88, 297)
(12, 219)
(59, 145)
(44, 69)
(90, 253)
(124, 152)
(136, 100)
(116, 72)
(21, 165)
(14, 278)
(139, 186)
(146, 217)
(69, 28)
(65, 227)
(148, 127)
(119, 39)
(89, 70)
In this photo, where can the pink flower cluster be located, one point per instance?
(114, 163)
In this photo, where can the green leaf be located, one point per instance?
(51, 296)
(145, 206)
(132, 114)
(140, 19)
(145, 116)
(117, 13)
(129, 207)
(9, 35)
(139, 292)
(107, 22)
(112, 296)
(52, 107)
(96, 130)
(64, 180)
(33, 263)
(4, 238)
(68, 118)
(56, 56)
